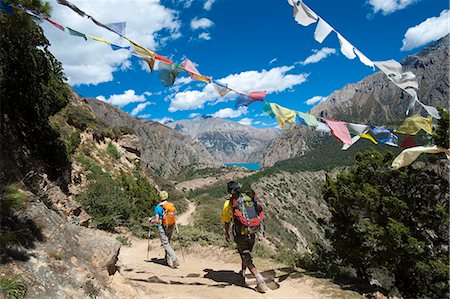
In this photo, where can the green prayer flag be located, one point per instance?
(76, 33)
(268, 110)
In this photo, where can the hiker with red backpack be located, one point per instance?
(165, 218)
(246, 214)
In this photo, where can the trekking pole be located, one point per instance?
(179, 239)
(148, 238)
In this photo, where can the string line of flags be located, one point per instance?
(343, 131)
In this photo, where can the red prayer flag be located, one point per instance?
(407, 142)
(339, 130)
(163, 59)
(55, 24)
(257, 95)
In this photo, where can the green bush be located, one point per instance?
(123, 240)
(113, 151)
(392, 221)
(125, 200)
(12, 287)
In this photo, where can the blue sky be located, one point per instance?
(251, 45)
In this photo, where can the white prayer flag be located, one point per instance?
(363, 58)
(322, 30)
(346, 47)
(304, 15)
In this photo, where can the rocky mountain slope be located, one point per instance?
(164, 151)
(227, 141)
(374, 100)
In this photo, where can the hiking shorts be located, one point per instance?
(245, 246)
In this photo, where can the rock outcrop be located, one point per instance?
(227, 141)
(164, 151)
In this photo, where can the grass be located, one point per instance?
(113, 151)
(12, 287)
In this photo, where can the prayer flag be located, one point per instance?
(244, 100)
(221, 88)
(369, 137)
(431, 110)
(257, 95)
(168, 73)
(354, 140)
(71, 6)
(118, 28)
(346, 47)
(163, 59)
(193, 72)
(339, 130)
(116, 47)
(322, 30)
(357, 128)
(363, 58)
(55, 24)
(30, 12)
(410, 155)
(268, 110)
(389, 67)
(76, 33)
(145, 54)
(380, 130)
(304, 15)
(392, 140)
(412, 125)
(309, 120)
(405, 80)
(99, 39)
(6, 7)
(284, 116)
(408, 142)
(322, 127)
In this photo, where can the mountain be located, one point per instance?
(164, 151)
(227, 141)
(374, 100)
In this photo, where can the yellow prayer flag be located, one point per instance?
(413, 124)
(283, 115)
(368, 136)
(99, 39)
(409, 155)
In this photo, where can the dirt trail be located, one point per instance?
(186, 217)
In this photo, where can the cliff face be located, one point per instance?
(164, 151)
(227, 141)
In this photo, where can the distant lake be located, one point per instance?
(250, 166)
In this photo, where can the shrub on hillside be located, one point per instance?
(392, 225)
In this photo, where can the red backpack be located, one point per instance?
(248, 213)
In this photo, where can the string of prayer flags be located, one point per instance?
(284, 116)
(340, 130)
(221, 88)
(118, 27)
(410, 155)
(412, 125)
(168, 72)
(193, 72)
(76, 33)
(60, 27)
(6, 8)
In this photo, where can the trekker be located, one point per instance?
(246, 214)
(165, 217)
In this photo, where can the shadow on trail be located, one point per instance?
(228, 277)
(161, 262)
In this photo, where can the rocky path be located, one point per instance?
(186, 217)
(209, 272)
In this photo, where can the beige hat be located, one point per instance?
(163, 195)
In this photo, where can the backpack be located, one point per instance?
(248, 213)
(169, 214)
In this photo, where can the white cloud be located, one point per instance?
(390, 6)
(246, 121)
(94, 62)
(144, 116)
(163, 120)
(272, 61)
(230, 113)
(192, 115)
(272, 81)
(319, 55)
(202, 23)
(140, 107)
(205, 36)
(429, 30)
(121, 100)
(208, 4)
(315, 100)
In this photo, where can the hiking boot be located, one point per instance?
(175, 264)
(242, 275)
(261, 286)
